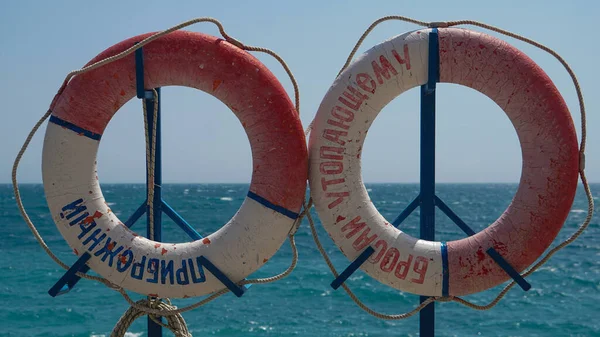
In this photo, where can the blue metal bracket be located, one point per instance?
(237, 290)
(427, 200)
(491, 251)
(189, 230)
(70, 278)
(364, 256)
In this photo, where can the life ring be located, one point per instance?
(549, 154)
(256, 231)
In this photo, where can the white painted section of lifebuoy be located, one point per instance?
(336, 141)
(84, 219)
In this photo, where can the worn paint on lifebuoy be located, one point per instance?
(80, 116)
(478, 61)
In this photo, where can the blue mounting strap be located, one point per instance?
(364, 256)
(237, 290)
(433, 75)
(491, 251)
(139, 73)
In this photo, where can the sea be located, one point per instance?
(564, 299)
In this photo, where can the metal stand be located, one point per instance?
(70, 278)
(427, 199)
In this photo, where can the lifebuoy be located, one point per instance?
(549, 153)
(256, 231)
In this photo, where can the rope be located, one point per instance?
(150, 159)
(142, 307)
(175, 323)
(584, 181)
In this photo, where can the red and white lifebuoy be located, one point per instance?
(549, 152)
(80, 116)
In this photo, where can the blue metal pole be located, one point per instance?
(155, 330)
(427, 179)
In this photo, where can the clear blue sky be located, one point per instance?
(41, 41)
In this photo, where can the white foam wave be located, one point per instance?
(226, 198)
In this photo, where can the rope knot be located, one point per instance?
(175, 322)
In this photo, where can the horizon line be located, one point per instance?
(247, 183)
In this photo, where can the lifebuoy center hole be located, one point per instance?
(478, 159)
(206, 162)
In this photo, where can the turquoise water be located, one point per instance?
(564, 300)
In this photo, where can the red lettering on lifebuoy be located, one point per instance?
(405, 60)
(338, 124)
(420, 268)
(340, 197)
(353, 227)
(381, 243)
(364, 239)
(328, 152)
(334, 136)
(403, 267)
(384, 70)
(362, 79)
(331, 167)
(389, 260)
(325, 182)
(353, 98)
(342, 114)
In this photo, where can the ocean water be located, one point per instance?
(564, 300)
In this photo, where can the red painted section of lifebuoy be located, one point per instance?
(219, 68)
(549, 153)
